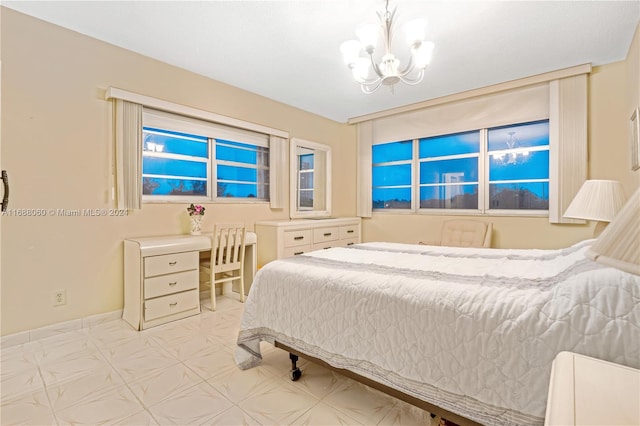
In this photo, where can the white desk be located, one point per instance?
(589, 391)
(161, 277)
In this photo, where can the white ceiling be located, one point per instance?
(289, 50)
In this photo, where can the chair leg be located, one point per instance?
(213, 296)
(242, 288)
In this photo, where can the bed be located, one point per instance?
(472, 332)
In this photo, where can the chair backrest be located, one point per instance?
(466, 233)
(227, 247)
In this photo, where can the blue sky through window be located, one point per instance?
(158, 140)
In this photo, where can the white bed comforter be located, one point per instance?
(473, 331)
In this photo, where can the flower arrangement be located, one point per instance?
(195, 210)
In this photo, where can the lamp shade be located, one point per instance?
(597, 200)
(619, 244)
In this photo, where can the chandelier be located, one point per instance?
(387, 71)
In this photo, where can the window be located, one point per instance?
(449, 171)
(186, 158)
(501, 168)
(519, 166)
(242, 170)
(392, 175)
(305, 181)
(174, 163)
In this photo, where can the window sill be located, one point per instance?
(469, 213)
(207, 201)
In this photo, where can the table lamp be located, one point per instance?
(619, 244)
(598, 200)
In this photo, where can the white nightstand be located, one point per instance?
(589, 391)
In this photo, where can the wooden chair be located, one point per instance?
(227, 259)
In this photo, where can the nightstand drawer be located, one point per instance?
(171, 304)
(170, 263)
(322, 235)
(297, 238)
(170, 283)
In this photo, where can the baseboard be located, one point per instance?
(73, 325)
(57, 329)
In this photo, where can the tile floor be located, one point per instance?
(181, 373)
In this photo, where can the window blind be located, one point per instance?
(128, 135)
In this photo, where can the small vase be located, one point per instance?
(195, 224)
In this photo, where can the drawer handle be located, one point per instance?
(173, 305)
(324, 248)
(298, 238)
(173, 283)
(297, 253)
(350, 231)
(173, 263)
(327, 234)
(349, 244)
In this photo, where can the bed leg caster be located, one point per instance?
(295, 372)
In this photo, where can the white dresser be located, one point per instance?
(286, 238)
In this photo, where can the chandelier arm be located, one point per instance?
(376, 68)
(414, 81)
(408, 68)
(368, 82)
(369, 90)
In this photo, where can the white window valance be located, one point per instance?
(187, 111)
(514, 106)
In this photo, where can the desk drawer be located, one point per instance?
(170, 283)
(349, 231)
(322, 235)
(171, 304)
(170, 263)
(297, 238)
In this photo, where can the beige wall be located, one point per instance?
(57, 149)
(614, 91)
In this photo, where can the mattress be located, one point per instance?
(474, 331)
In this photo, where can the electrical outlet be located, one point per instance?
(60, 298)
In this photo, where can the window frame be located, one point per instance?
(213, 132)
(484, 208)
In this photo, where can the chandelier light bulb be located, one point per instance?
(422, 54)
